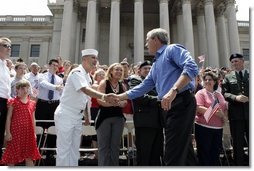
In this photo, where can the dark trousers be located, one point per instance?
(3, 115)
(45, 111)
(149, 144)
(209, 143)
(239, 129)
(179, 123)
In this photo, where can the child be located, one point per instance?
(20, 128)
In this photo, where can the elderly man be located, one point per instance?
(173, 74)
(69, 113)
(5, 85)
(33, 77)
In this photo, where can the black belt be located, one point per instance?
(48, 101)
(185, 92)
(3, 99)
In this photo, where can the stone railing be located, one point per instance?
(55, 2)
(243, 23)
(26, 18)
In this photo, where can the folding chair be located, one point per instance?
(227, 148)
(193, 140)
(50, 131)
(133, 148)
(130, 127)
(246, 148)
(124, 146)
(39, 133)
(87, 130)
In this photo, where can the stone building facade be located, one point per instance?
(117, 28)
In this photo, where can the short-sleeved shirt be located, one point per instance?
(206, 99)
(72, 97)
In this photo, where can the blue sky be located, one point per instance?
(39, 7)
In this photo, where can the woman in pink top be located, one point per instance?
(209, 121)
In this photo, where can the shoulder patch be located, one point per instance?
(76, 71)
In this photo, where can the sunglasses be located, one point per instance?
(6, 46)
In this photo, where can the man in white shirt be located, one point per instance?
(33, 77)
(5, 85)
(69, 113)
(46, 105)
(50, 90)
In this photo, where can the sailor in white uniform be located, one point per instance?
(69, 113)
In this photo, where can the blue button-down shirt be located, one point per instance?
(171, 61)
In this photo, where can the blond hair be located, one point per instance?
(110, 69)
(4, 40)
(97, 72)
(22, 83)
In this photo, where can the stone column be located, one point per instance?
(213, 56)
(202, 41)
(114, 35)
(222, 37)
(66, 34)
(138, 31)
(90, 40)
(188, 27)
(25, 49)
(56, 36)
(179, 18)
(43, 59)
(173, 31)
(78, 40)
(234, 41)
(164, 17)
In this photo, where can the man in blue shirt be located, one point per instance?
(173, 74)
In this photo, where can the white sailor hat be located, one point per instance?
(91, 52)
(34, 63)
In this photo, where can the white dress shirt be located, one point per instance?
(34, 81)
(5, 80)
(45, 86)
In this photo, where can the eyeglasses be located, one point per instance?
(6, 46)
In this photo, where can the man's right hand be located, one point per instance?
(59, 87)
(242, 98)
(111, 98)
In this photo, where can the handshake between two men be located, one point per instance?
(115, 99)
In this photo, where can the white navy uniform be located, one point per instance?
(68, 117)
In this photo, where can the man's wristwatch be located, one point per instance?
(175, 89)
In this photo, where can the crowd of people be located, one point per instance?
(169, 101)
